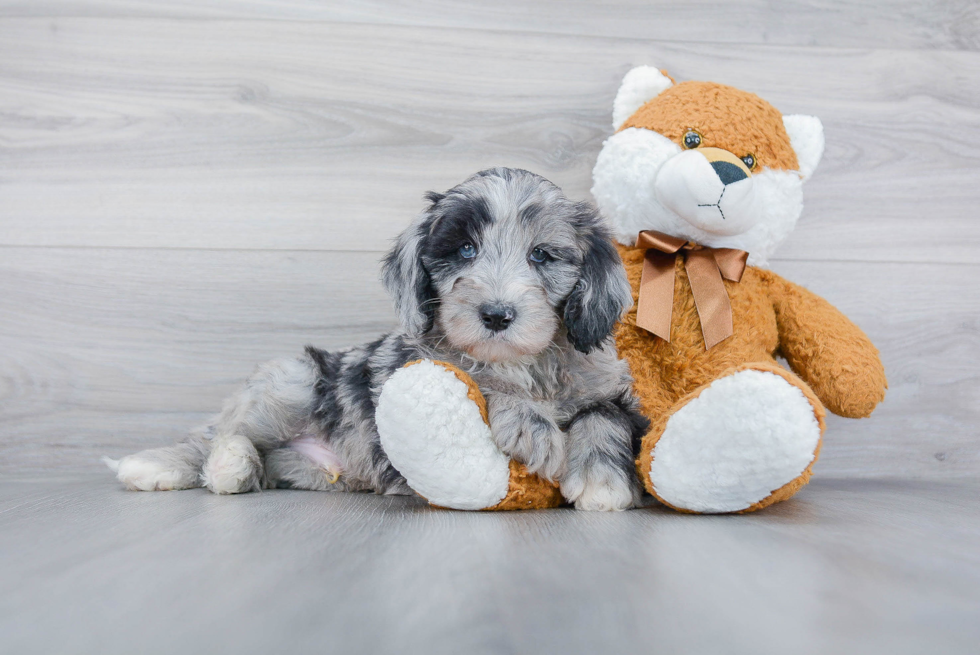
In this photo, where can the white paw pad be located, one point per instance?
(434, 435)
(742, 438)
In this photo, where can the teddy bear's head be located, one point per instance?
(705, 162)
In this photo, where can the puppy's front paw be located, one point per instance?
(609, 493)
(532, 439)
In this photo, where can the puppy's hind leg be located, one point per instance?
(162, 469)
(306, 463)
(233, 467)
(271, 409)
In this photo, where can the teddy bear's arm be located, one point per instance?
(832, 354)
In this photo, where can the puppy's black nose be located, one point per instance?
(496, 317)
(728, 173)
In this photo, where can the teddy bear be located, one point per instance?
(700, 183)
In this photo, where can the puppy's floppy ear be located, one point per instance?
(602, 293)
(405, 278)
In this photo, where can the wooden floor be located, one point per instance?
(190, 187)
(849, 566)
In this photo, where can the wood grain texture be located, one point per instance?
(190, 188)
(187, 189)
(848, 567)
(203, 133)
(131, 348)
(948, 24)
(109, 350)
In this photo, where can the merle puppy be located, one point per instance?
(501, 276)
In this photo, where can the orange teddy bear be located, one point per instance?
(701, 183)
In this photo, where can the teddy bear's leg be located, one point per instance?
(432, 420)
(740, 443)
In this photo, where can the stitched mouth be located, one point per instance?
(717, 204)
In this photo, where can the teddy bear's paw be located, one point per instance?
(742, 438)
(434, 434)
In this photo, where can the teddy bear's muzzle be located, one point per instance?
(710, 188)
(727, 166)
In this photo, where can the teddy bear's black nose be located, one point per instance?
(728, 173)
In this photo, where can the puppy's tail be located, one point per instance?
(113, 464)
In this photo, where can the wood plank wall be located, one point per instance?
(190, 187)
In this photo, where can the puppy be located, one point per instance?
(501, 276)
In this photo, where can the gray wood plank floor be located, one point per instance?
(191, 187)
(847, 567)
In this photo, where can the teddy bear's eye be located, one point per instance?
(749, 161)
(692, 139)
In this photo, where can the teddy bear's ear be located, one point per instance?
(806, 137)
(639, 85)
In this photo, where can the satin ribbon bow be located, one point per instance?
(705, 269)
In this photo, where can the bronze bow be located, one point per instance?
(705, 268)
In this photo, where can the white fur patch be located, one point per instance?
(806, 137)
(232, 466)
(625, 187)
(639, 86)
(435, 436)
(742, 438)
(624, 183)
(138, 474)
(611, 495)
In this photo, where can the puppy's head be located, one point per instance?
(503, 264)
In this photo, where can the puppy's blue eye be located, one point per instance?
(467, 251)
(539, 256)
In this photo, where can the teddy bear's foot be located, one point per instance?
(432, 421)
(740, 443)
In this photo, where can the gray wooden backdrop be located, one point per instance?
(190, 187)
